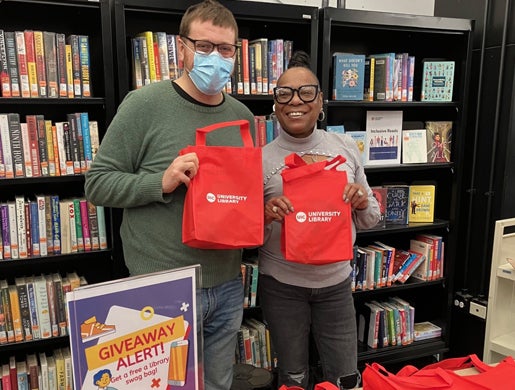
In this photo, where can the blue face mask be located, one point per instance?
(211, 72)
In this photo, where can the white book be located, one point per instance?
(384, 137)
(93, 135)
(43, 237)
(66, 243)
(22, 227)
(414, 146)
(43, 369)
(52, 372)
(13, 230)
(27, 159)
(45, 324)
(68, 368)
(5, 137)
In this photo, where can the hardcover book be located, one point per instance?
(437, 81)
(439, 138)
(348, 76)
(414, 146)
(422, 203)
(384, 132)
(380, 193)
(131, 330)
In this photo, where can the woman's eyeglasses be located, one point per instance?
(205, 47)
(306, 93)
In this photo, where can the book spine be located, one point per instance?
(33, 307)
(24, 310)
(52, 304)
(13, 230)
(61, 308)
(50, 147)
(93, 226)
(16, 144)
(73, 41)
(163, 55)
(94, 137)
(55, 150)
(40, 63)
(75, 143)
(4, 219)
(78, 225)
(6, 146)
(5, 79)
(21, 225)
(56, 224)
(85, 224)
(31, 63)
(42, 145)
(50, 49)
(85, 65)
(27, 160)
(73, 230)
(137, 77)
(48, 224)
(69, 71)
(71, 167)
(45, 324)
(60, 41)
(86, 138)
(12, 63)
(16, 313)
(22, 64)
(102, 233)
(34, 228)
(32, 128)
(173, 65)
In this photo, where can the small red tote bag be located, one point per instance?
(319, 231)
(223, 208)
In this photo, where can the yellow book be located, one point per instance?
(16, 313)
(69, 70)
(50, 147)
(421, 203)
(60, 368)
(148, 35)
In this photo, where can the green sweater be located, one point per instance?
(150, 128)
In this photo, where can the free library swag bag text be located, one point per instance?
(223, 208)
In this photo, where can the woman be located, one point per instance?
(299, 299)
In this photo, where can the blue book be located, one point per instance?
(34, 228)
(86, 139)
(56, 223)
(397, 204)
(348, 76)
(437, 81)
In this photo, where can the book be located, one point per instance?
(384, 132)
(33, 307)
(437, 81)
(62, 78)
(348, 76)
(52, 372)
(23, 72)
(6, 303)
(6, 377)
(360, 137)
(423, 271)
(380, 193)
(32, 130)
(40, 63)
(12, 63)
(30, 52)
(16, 313)
(426, 330)
(43, 369)
(421, 203)
(103, 315)
(42, 145)
(50, 49)
(338, 129)
(94, 137)
(23, 299)
(17, 152)
(5, 79)
(40, 290)
(414, 146)
(439, 139)
(397, 197)
(22, 376)
(5, 141)
(73, 41)
(60, 371)
(410, 266)
(85, 74)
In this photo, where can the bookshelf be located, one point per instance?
(500, 334)
(367, 32)
(80, 17)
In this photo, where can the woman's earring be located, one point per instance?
(272, 115)
(321, 116)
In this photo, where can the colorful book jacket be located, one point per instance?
(421, 203)
(439, 138)
(384, 137)
(437, 81)
(132, 332)
(348, 76)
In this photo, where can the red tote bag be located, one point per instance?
(319, 231)
(443, 375)
(223, 208)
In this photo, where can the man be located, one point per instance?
(138, 168)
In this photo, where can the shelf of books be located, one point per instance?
(397, 84)
(56, 100)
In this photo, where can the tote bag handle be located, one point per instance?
(295, 161)
(200, 138)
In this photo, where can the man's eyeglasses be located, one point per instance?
(205, 47)
(306, 93)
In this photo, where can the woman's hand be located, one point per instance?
(356, 195)
(277, 208)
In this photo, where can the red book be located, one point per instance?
(32, 128)
(84, 215)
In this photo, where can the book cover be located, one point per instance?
(384, 132)
(397, 197)
(339, 129)
(380, 193)
(360, 137)
(426, 330)
(85, 74)
(423, 271)
(414, 146)
(439, 138)
(437, 81)
(421, 202)
(130, 330)
(348, 76)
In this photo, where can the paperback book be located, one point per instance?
(422, 203)
(138, 332)
(384, 132)
(414, 146)
(439, 138)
